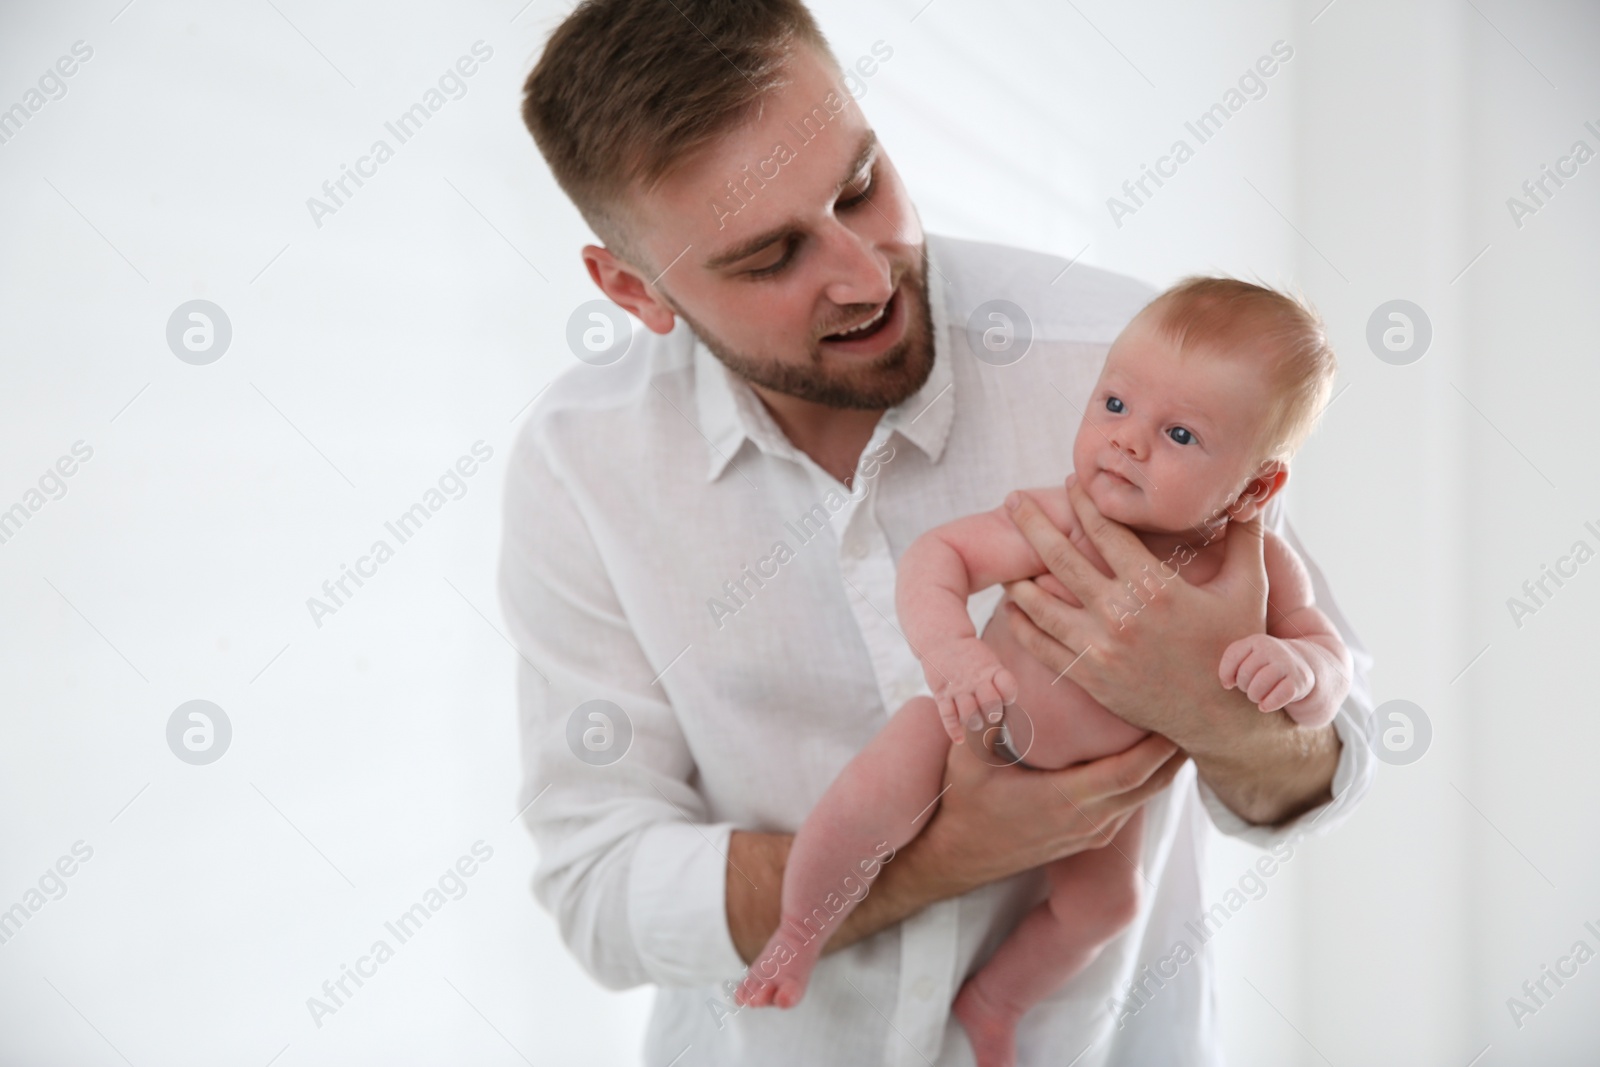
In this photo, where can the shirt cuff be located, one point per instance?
(1350, 782)
(677, 910)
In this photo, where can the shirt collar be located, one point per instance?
(730, 413)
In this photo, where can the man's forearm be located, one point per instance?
(906, 885)
(1270, 769)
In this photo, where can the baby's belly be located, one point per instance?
(1068, 725)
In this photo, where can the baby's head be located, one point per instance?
(1203, 399)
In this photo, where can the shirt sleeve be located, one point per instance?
(1357, 763)
(628, 866)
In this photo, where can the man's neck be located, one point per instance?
(833, 437)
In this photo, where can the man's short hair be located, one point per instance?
(1225, 316)
(629, 90)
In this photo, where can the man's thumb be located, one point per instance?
(1245, 551)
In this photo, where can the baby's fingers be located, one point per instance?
(1279, 696)
(989, 702)
(951, 720)
(1232, 659)
(967, 708)
(1006, 683)
(1264, 681)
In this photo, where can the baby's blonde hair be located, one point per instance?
(1231, 317)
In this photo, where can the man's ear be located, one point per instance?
(626, 288)
(1268, 482)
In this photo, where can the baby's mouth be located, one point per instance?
(1117, 478)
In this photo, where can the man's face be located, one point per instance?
(806, 274)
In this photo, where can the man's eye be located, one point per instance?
(1114, 405)
(1181, 435)
(858, 192)
(786, 253)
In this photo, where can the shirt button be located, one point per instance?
(923, 987)
(855, 546)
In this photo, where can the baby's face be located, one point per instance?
(1169, 441)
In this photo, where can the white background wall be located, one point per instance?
(369, 353)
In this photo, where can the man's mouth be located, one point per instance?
(867, 327)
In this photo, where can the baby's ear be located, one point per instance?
(1268, 482)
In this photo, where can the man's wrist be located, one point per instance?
(1278, 770)
(913, 879)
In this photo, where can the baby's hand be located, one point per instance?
(1268, 670)
(966, 678)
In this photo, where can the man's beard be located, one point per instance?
(874, 386)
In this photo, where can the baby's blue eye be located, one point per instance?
(1181, 435)
(1113, 405)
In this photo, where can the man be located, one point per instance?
(698, 569)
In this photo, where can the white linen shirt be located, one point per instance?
(636, 493)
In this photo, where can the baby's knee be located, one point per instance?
(1108, 903)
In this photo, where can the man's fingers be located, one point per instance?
(1244, 553)
(1124, 772)
(1119, 545)
(1041, 623)
(1156, 782)
(1058, 553)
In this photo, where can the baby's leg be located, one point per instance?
(880, 801)
(1094, 895)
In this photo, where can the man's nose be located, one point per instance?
(859, 272)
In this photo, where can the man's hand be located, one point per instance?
(1149, 641)
(996, 820)
(992, 822)
(1148, 645)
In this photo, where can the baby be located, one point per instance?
(1202, 401)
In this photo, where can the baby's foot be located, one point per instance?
(785, 988)
(991, 1029)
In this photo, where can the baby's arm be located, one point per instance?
(1300, 664)
(937, 574)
